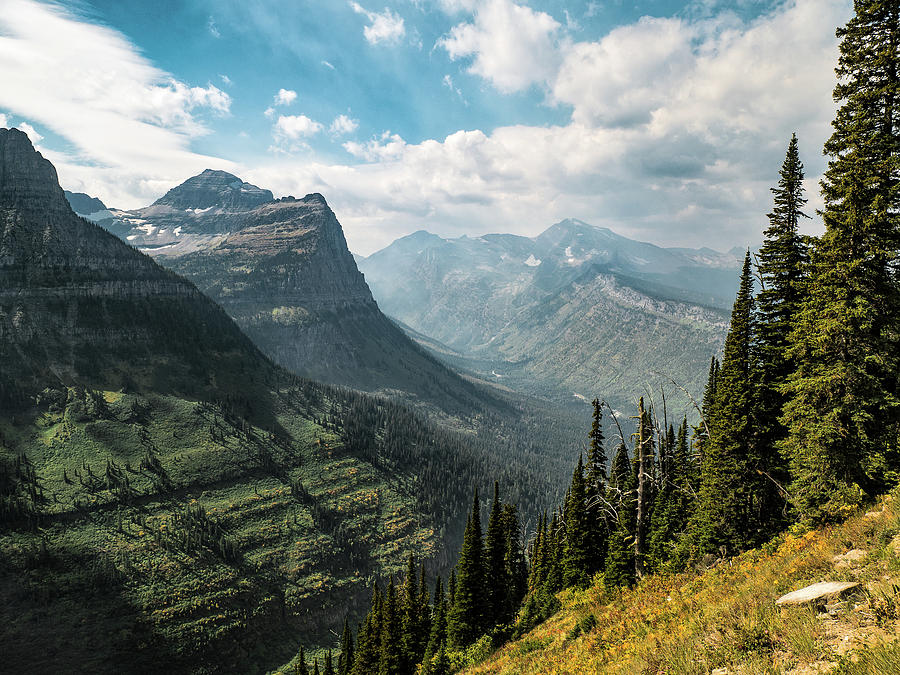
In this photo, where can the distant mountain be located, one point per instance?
(171, 500)
(282, 269)
(83, 204)
(290, 282)
(77, 306)
(578, 309)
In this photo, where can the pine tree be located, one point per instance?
(391, 658)
(576, 559)
(368, 639)
(701, 431)
(843, 405)
(598, 522)
(300, 667)
(619, 564)
(345, 658)
(315, 666)
(783, 264)
(411, 622)
(438, 634)
(723, 513)
(466, 618)
(514, 563)
(329, 664)
(494, 564)
(537, 574)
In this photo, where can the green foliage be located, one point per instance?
(724, 512)
(466, 617)
(842, 403)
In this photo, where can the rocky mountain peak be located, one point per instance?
(84, 204)
(27, 180)
(213, 188)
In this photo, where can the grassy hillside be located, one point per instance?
(724, 619)
(138, 528)
(148, 528)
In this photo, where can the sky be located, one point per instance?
(664, 120)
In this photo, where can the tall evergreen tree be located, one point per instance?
(411, 620)
(514, 562)
(345, 658)
(722, 516)
(598, 521)
(576, 561)
(391, 657)
(494, 563)
(619, 564)
(329, 664)
(843, 394)
(438, 634)
(368, 639)
(300, 668)
(783, 265)
(466, 618)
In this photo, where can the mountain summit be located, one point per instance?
(78, 306)
(214, 189)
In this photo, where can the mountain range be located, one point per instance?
(577, 311)
(281, 268)
(170, 499)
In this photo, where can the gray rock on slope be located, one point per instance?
(817, 593)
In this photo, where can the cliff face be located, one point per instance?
(78, 305)
(288, 279)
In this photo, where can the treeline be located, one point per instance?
(799, 419)
(411, 630)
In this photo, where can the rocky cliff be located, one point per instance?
(287, 277)
(77, 305)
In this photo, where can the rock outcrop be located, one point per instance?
(77, 305)
(289, 280)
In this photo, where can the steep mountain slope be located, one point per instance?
(724, 619)
(170, 500)
(571, 310)
(282, 270)
(76, 305)
(290, 282)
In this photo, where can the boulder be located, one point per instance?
(847, 559)
(817, 593)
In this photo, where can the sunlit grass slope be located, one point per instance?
(176, 536)
(725, 620)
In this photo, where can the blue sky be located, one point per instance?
(665, 120)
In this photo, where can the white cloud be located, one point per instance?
(678, 144)
(4, 121)
(387, 148)
(386, 26)
(269, 112)
(129, 123)
(225, 80)
(291, 132)
(285, 97)
(343, 125)
(328, 65)
(33, 135)
(212, 28)
(511, 46)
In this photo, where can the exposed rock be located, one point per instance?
(214, 189)
(849, 558)
(817, 593)
(78, 306)
(83, 204)
(289, 280)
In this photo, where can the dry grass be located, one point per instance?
(725, 620)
